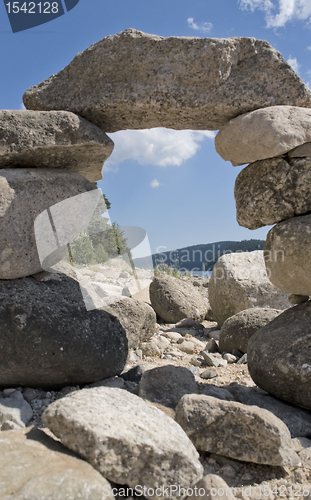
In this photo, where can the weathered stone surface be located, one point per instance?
(14, 413)
(302, 151)
(212, 486)
(54, 139)
(48, 338)
(137, 318)
(264, 133)
(297, 419)
(279, 356)
(182, 83)
(237, 330)
(28, 244)
(34, 466)
(288, 254)
(235, 430)
(239, 281)
(174, 299)
(126, 439)
(269, 191)
(167, 384)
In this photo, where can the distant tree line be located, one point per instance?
(203, 257)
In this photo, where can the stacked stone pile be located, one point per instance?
(48, 161)
(275, 189)
(49, 337)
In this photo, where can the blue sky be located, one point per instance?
(173, 184)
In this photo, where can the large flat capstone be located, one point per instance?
(134, 80)
(55, 139)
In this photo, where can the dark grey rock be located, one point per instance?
(53, 139)
(237, 330)
(167, 384)
(182, 83)
(272, 190)
(48, 338)
(134, 374)
(297, 419)
(279, 356)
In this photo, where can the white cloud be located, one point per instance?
(158, 146)
(309, 48)
(204, 27)
(292, 61)
(22, 107)
(155, 183)
(288, 10)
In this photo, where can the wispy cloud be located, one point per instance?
(203, 27)
(288, 10)
(158, 146)
(155, 183)
(309, 48)
(292, 61)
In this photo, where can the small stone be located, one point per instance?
(194, 370)
(208, 374)
(7, 392)
(187, 347)
(212, 346)
(185, 323)
(247, 476)
(116, 382)
(163, 343)
(222, 362)
(230, 358)
(174, 337)
(242, 360)
(196, 361)
(16, 411)
(134, 374)
(150, 348)
(214, 334)
(210, 360)
(228, 471)
(217, 392)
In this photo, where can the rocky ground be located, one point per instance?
(250, 480)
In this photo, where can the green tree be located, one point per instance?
(82, 250)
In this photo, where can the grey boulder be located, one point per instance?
(137, 318)
(36, 467)
(269, 191)
(174, 299)
(48, 338)
(134, 80)
(301, 151)
(54, 139)
(239, 281)
(237, 330)
(167, 384)
(279, 356)
(126, 439)
(32, 202)
(264, 133)
(298, 420)
(258, 435)
(288, 254)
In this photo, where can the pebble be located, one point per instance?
(230, 358)
(214, 334)
(187, 346)
(207, 374)
(242, 360)
(210, 360)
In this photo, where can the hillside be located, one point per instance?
(200, 257)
